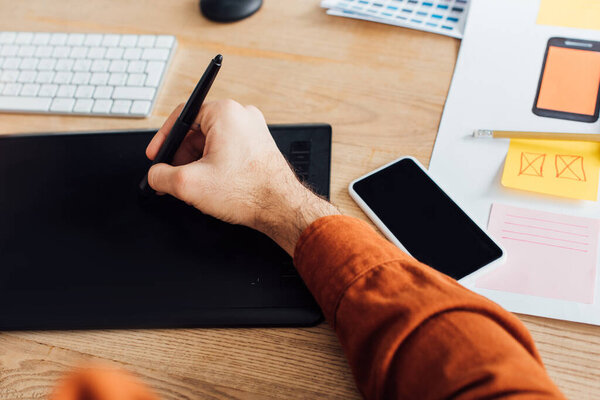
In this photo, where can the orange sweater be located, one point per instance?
(408, 331)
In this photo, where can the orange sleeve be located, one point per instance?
(409, 331)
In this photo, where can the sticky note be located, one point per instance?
(583, 14)
(559, 168)
(548, 255)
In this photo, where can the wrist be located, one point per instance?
(290, 212)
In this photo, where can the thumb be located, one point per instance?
(165, 178)
(183, 182)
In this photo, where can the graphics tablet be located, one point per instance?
(79, 250)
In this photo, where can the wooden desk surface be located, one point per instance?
(382, 88)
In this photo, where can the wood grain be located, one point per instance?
(382, 89)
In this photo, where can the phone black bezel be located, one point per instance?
(542, 112)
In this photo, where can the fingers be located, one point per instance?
(183, 182)
(162, 133)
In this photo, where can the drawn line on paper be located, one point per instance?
(546, 229)
(526, 159)
(544, 244)
(547, 220)
(567, 167)
(545, 237)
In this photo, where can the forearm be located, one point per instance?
(408, 330)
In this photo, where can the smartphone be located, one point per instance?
(569, 85)
(415, 214)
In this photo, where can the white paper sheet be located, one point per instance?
(494, 87)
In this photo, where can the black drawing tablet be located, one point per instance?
(79, 250)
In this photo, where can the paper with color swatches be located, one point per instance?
(559, 168)
(446, 17)
(548, 255)
(583, 14)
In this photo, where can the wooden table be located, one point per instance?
(381, 87)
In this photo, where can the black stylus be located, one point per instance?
(184, 121)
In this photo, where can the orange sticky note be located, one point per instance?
(583, 14)
(559, 168)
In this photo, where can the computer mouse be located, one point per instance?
(229, 10)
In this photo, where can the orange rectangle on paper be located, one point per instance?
(571, 80)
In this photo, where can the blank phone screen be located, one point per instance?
(426, 221)
(570, 81)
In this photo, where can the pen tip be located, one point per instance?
(218, 59)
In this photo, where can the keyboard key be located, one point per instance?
(11, 63)
(133, 93)
(136, 67)
(118, 66)
(100, 66)
(26, 51)
(30, 89)
(44, 77)
(165, 41)
(64, 64)
(58, 39)
(61, 52)
(132, 54)
(48, 90)
(66, 91)
(136, 80)
(111, 40)
(96, 52)
(155, 54)
(9, 50)
(12, 89)
(81, 78)
(43, 51)
(62, 105)
(102, 106)
(99, 78)
(128, 41)
(117, 79)
(9, 76)
(29, 63)
(7, 37)
(146, 41)
(92, 40)
(82, 65)
(84, 91)
(79, 52)
(83, 105)
(41, 39)
(46, 64)
(121, 107)
(15, 103)
(114, 53)
(27, 76)
(24, 37)
(140, 107)
(103, 92)
(75, 39)
(63, 77)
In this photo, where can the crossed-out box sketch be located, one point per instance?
(566, 166)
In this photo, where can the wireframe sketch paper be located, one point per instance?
(560, 168)
(548, 255)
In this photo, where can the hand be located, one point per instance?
(229, 166)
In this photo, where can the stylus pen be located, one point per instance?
(184, 121)
(583, 137)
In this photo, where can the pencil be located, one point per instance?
(582, 137)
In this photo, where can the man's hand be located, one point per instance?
(228, 166)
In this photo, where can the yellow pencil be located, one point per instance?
(582, 137)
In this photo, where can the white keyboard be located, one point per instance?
(79, 73)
